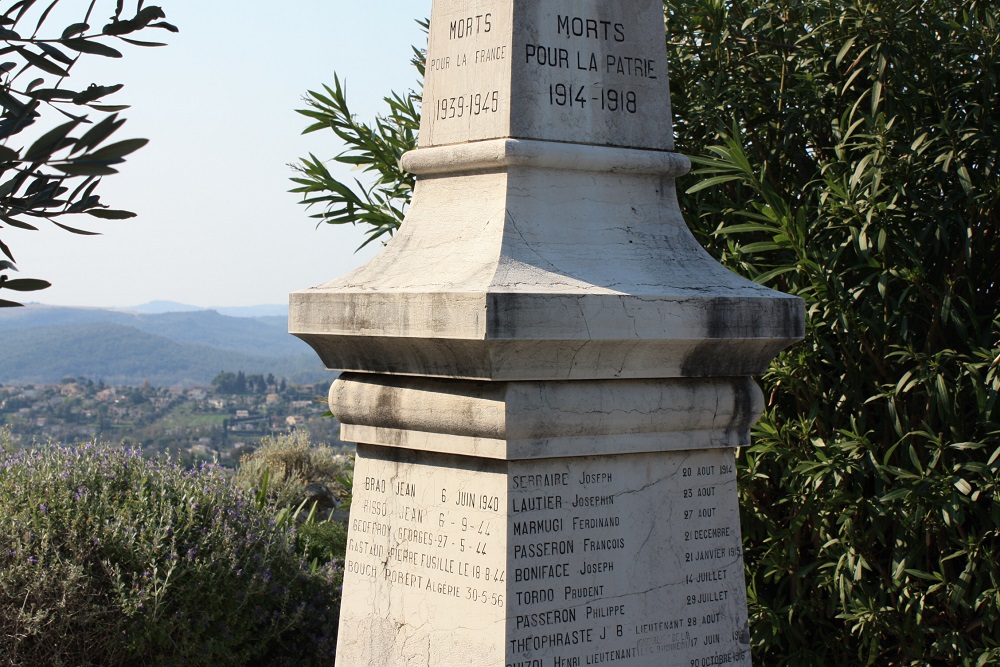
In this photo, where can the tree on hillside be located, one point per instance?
(54, 146)
(848, 154)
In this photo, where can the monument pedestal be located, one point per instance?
(546, 375)
(597, 522)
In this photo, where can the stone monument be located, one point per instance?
(545, 374)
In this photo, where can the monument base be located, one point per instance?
(632, 559)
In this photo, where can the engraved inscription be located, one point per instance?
(585, 71)
(633, 559)
(595, 535)
(408, 533)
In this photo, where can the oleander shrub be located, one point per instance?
(110, 559)
(848, 153)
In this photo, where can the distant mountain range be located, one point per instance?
(164, 343)
(160, 307)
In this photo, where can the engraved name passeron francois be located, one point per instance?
(584, 541)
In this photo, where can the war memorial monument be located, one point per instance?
(546, 375)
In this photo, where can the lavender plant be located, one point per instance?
(109, 559)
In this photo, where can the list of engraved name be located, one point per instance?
(575, 534)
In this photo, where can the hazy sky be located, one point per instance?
(216, 224)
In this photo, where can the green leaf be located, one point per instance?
(50, 94)
(711, 182)
(760, 246)
(137, 42)
(74, 230)
(41, 62)
(994, 457)
(95, 92)
(74, 29)
(844, 49)
(767, 276)
(85, 169)
(99, 132)
(8, 154)
(54, 52)
(25, 284)
(109, 107)
(10, 304)
(49, 142)
(6, 251)
(92, 46)
(117, 150)
(110, 214)
(20, 224)
(749, 227)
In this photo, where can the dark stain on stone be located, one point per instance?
(707, 359)
(501, 321)
(765, 331)
(717, 323)
(743, 410)
(386, 408)
(794, 319)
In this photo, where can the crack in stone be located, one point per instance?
(529, 246)
(680, 582)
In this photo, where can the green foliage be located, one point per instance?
(375, 150)
(281, 469)
(109, 559)
(56, 175)
(321, 541)
(853, 162)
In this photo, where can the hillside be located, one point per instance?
(43, 344)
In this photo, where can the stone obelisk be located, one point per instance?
(545, 374)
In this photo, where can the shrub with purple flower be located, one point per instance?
(110, 559)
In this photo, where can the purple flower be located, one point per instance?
(32, 559)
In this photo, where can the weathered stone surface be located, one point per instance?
(544, 240)
(548, 374)
(546, 272)
(581, 71)
(534, 420)
(633, 559)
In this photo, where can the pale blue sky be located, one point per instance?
(216, 224)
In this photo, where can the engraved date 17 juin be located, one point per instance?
(609, 99)
(473, 104)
